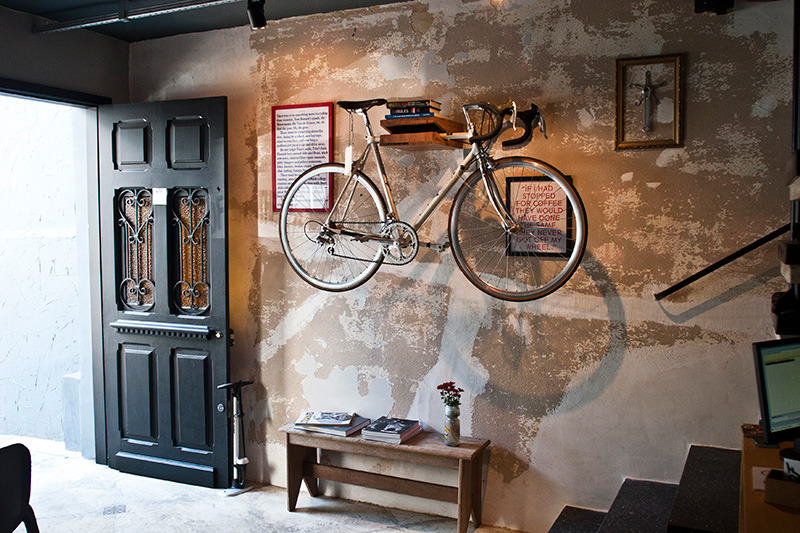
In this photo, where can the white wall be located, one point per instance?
(45, 334)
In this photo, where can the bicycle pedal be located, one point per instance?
(439, 247)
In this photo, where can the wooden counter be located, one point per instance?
(755, 515)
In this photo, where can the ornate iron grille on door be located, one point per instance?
(135, 220)
(189, 242)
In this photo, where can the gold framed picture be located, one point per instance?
(648, 102)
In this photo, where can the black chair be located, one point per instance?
(15, 489)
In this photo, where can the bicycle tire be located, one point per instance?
(538, 259)
(330, 260)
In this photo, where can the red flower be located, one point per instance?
(451, 395)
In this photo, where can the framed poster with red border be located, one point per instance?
(302, 137)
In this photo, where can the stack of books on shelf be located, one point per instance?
(418, 107)
(331, 422)
(394, 430)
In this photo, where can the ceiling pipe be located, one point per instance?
(127, 15)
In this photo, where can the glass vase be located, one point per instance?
(452, 425)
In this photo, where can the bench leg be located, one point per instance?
(295, 457)
(465, 491)
(477, 489)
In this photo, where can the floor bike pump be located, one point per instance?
(239, 483)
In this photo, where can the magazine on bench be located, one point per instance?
(343, 431)
(394, 430)
(325, 418)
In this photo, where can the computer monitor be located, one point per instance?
(777, 365)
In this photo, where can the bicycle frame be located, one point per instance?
(373, 142)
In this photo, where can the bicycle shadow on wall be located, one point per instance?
(522, 395)
(728, 295)
(591, 386)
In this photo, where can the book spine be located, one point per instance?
(414, 103)
(410, 115)
(412, 110)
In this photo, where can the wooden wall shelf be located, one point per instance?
(420, 133)
(424, 140)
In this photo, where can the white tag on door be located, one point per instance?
(159, 196)
(348, 159)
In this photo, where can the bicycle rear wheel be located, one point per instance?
(332, 253)
(537, 257)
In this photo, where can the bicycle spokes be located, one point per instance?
(535, 256)
(331, 251)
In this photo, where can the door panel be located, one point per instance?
(137, 392)
(163, 217)
(193, 421)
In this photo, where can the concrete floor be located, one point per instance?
(73, 494)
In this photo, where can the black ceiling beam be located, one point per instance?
(126, 15)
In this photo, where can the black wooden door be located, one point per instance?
(163, 219)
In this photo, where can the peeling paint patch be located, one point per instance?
(421, 19)
(668, 157)
(664, 114)
(628, 176)
(431, 70)
(394, 67)
(456, 363)
(764, 106)
(292, 323)
(340, 392)
(586, 118)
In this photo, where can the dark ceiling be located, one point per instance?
(145, 20)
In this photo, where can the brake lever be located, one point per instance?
(527, 118)
(514, 115)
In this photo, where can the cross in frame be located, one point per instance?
(647, 94)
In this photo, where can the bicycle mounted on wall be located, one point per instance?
(517, 226)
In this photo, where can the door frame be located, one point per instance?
(90, 101)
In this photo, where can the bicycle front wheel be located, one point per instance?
(540, 252)
(326, 219)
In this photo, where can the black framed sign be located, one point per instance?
(542, 207)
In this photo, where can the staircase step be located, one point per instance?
(577, 520)
(708, 493)
(640, 507)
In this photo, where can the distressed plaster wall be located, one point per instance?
(590, 385)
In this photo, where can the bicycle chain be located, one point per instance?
(384, 254)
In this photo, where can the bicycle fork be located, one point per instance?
(487, 168)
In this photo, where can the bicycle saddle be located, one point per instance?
(360, 105)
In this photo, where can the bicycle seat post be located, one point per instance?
(367, 124)
(373, 142)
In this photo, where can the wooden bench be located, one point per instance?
(302, 464)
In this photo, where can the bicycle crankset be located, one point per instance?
(404, 243)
